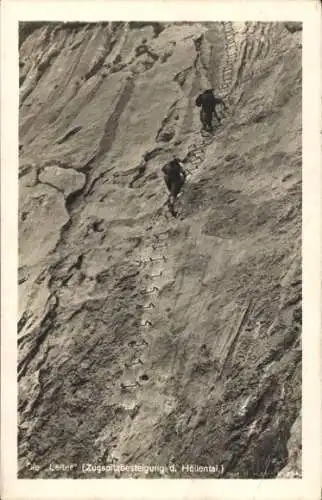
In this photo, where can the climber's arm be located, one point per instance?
(221, 101)
(182, 171)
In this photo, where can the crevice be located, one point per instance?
(24, 170)
(107, 49)
(69, 134)
(63, 230)
(45, 183)
(144, 49)
(197, 43)
(293, 27)
(72, 197)
(110, 131)
(157, 27)
(24, 320)
(181, 77)
(27, 28)
(39, 70)
(163, 134)
(70, 25)
(47, 324)
(141, 169)
(117, 25)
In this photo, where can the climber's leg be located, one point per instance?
(206, 118)
(175, 189)
(168, 182)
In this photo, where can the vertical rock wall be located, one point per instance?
(143, 338)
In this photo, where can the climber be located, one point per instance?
(174, 176)
(208, 102)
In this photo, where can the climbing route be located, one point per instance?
(157, 272)
(197, 152)
(153, 262)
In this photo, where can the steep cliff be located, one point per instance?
(143, 338)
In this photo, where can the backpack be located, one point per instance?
(172, 169)
(175, 168)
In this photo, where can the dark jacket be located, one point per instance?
(207, 100)
(173, 170)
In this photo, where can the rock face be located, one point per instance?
(66, 180)
(294, 466)
(143, 338)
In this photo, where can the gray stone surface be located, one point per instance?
(66, 180)
(145, 339)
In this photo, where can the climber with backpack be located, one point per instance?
(174, 177)
(207, 101)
